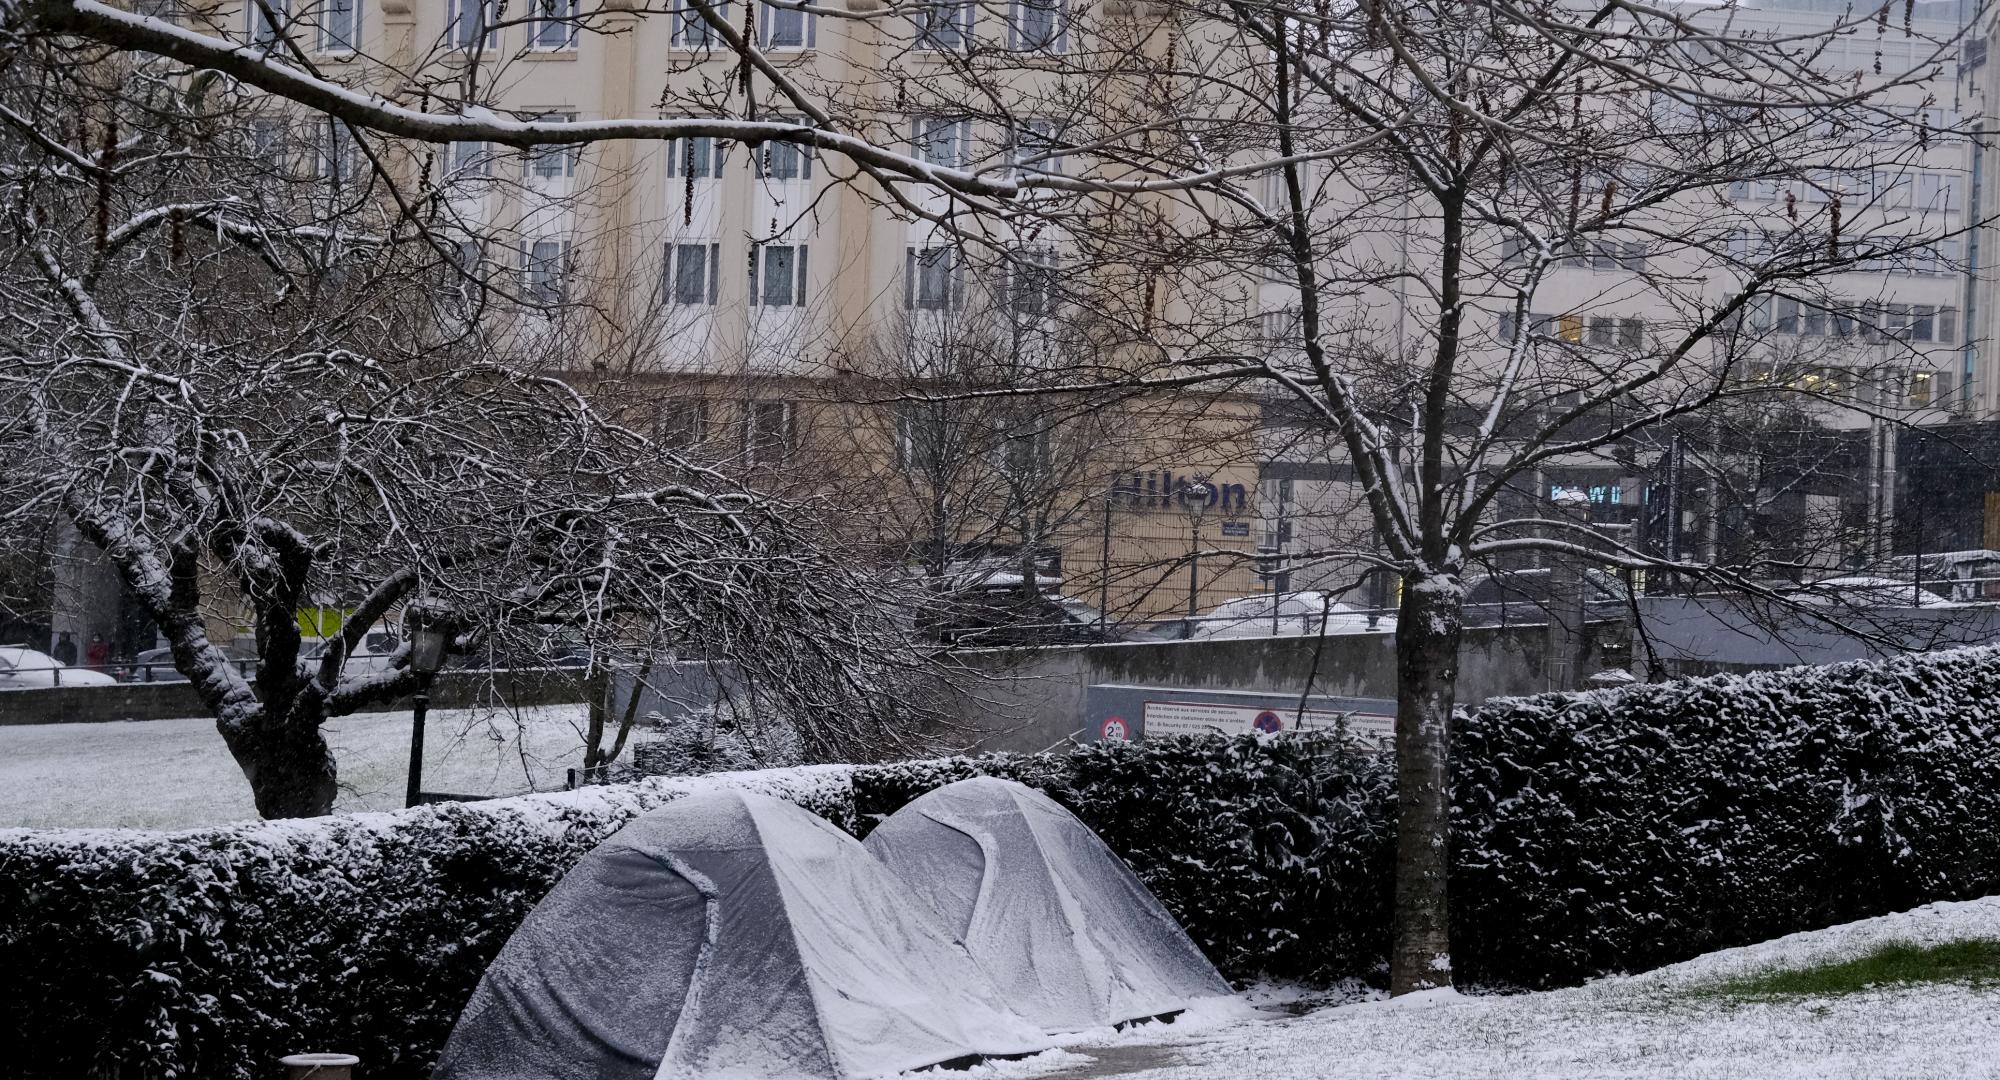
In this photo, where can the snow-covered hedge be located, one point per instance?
(208, 955)
(1622, 830)
(1615, 830)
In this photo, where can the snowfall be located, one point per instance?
(1655, 1026)
(172, 774)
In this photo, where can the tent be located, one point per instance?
(1069, 933)
(728, 935)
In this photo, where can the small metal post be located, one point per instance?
(421, 703)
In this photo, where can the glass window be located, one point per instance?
(934, 280)
(778, 275)
(546, 271)
(1038, 25)
(944, 27)
(693, 271)
(263, 30)
(690, 29)
(552, 24)
(679, 423)
(339, 25)
(783, 160)
(469, 159)
(770, 432)
(553, 162)
(940, 141)
(696, 158)
(1923, 322)
(1632, 333)
(785, 28)
(472, 20)
(1603, 330)
(1031, 286)
(1035, 145)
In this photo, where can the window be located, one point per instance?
(339, 25)
(783, 160)
(778, 275)
(691, 30)
(1031, 284)
(263, 30)
(1603, 330)
(471, 24)
(268, 137)
(934, 279)
(338, 158)
(1785, 316)
(467, 255)
(1923, 322)
(1514, 251)
(680, 423)
(1570, 328)
(1038, 25)
(940, 141)
(553, 162)
(770, 432)
(546, 271)
(696, 158)
(552, 24)
(919, 437)
(944, 27)
(468, 159)
(1632, 334)
(693, 272)
(1035, 147)
(786, 28)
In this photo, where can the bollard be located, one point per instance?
(319, 1066)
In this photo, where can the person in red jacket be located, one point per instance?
(97, 654)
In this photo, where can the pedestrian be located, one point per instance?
(97, 654)
(65, 650)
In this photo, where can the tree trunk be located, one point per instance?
(1427, 637)
(289, 767)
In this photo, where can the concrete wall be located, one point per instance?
(166, 701)
(1033, 699)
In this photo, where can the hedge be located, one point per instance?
(1613, 830)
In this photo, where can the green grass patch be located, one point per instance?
(1973, 963)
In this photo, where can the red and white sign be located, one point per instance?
(1203, 718)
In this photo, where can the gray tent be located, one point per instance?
(728, 935)
(1069, 933)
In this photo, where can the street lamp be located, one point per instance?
(429, 633)
(1195, 499)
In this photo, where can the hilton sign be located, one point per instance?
(1161, 489)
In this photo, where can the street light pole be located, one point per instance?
(1195, 499)
(429, 632)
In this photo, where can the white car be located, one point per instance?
(1300, 613)
(21, 669)
(1860, 590)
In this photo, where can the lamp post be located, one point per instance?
(429, 633)
(1195, 499)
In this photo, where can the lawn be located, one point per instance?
(169, 774)
(1904, 997)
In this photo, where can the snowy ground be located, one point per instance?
(169, 774)
(1654, 1026)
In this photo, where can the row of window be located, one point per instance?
(767, 432)
(934, 277)
(1596, 253)
(1031, 25)
(1874, 322)
(1943, 257)
(1597, 331)
(1920, 389)
(1923, 189)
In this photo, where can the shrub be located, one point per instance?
(211, 954)
(1597, 832)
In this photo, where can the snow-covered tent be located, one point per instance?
(729, 935)
(1070, 934)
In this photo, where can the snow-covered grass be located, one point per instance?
(1668, 1024)
(170, 774)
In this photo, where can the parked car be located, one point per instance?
(1529, 595)
(1004, 617)
(23, 668)
(1861, 590)
(1308, 613)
